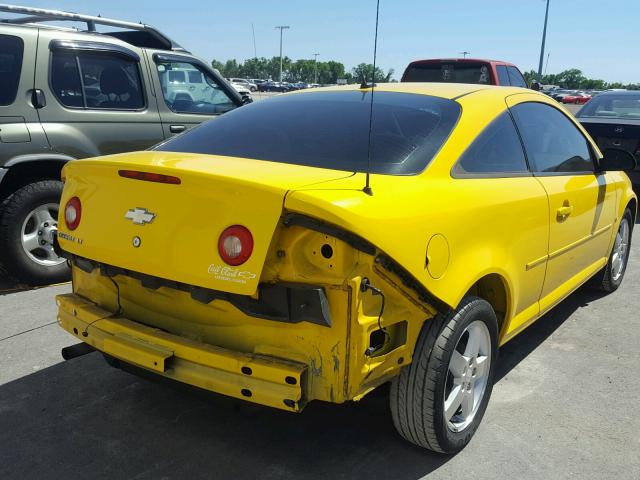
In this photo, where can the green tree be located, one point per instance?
(363, 73)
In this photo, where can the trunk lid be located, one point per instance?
(177, 227)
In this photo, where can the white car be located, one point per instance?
(245, 83)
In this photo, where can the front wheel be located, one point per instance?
(437, 402)
(28, 222)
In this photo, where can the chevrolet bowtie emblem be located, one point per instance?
(140, 216)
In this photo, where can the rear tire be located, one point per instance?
(20, 217)
(610, 277)
(423, 397)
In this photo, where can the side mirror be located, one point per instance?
(246, 99)
(617, 160)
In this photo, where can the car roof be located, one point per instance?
(450, 91)
(461, 60)
(619, 92)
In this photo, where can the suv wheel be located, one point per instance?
(437, 402)
(28, 223)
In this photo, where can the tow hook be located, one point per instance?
(76, 350)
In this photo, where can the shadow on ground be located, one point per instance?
(84, 419)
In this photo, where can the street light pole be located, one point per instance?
(281, 28)
(315, 67)
(464, 54)
(544, 37)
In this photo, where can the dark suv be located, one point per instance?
(67, 94)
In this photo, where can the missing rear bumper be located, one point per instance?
(260, 379)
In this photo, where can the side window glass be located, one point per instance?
(96, 81)
(503, 75)
(111, 82)
(187, 88)
(65, 80)
(552, 142)
(11, 51)
(496, 152)
(515, 77)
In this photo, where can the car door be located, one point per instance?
(97, 100)
(492, 175)
(581, 201)
(20, 129)
(191, 92)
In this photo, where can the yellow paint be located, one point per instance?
(540, 237)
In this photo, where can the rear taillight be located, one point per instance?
(235, 245)
(73, 213)
(149, 177)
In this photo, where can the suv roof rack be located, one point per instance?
(139, 34)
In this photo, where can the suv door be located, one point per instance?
(189, 97)
(582, 202)
(97, 100)
(20, 130)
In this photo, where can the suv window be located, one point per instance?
(187, 88)
(552, 142)
(503, 75)
(86, 80)
(496, 152)
(515, 77)
(11, 49)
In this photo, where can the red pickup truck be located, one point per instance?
(464, 70)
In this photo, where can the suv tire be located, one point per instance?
(420, 394)
(22, 215)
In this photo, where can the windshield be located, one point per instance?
(466, 72)
(613, 106)
(330, 130)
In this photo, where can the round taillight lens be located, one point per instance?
(235, 245)
(72, 213)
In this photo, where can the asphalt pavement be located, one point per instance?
(564, 406)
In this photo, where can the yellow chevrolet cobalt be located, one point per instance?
(259, 267)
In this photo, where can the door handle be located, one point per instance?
(38, 99)
(564, 211)
(177, 128)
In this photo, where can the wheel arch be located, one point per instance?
(633, 205)
(495, 289)
(25, 169)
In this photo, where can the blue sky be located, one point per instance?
(586, 34)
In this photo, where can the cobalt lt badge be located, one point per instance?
(136, 242)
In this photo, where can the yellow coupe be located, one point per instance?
(258, 266)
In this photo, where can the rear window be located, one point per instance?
(11, 49)
(330, 130)
(453, 72)
(612, 106)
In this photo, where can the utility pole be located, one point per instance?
(547, 63)
(544, 37)
(464, 54)
(315, 67)
(281, 28)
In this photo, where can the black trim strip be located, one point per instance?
(351, 239)
(93, 47)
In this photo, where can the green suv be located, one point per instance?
(74, 93)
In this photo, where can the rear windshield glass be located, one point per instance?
(612, 106)
(448, 72)
(330, 130)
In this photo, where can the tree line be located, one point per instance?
(573, 78)
(301, 70)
